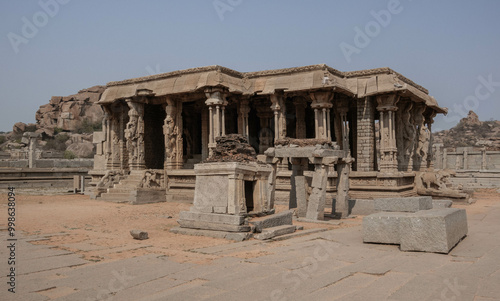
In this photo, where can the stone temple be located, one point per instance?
(157, 127)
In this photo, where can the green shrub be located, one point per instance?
(88, 127)
(2, 139)
(69, 155)
(58, 130)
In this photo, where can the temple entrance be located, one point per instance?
(154, 138)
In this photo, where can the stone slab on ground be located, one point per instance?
(213, 226)
(212, 217)
(383, 227)
(403, 204)
(236, 236)
(278, 219)
(436, 230)
(275, 231)
(441, 204)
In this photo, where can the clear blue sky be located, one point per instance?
(445, 46)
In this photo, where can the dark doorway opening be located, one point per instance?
(154, 139)
(249, 185)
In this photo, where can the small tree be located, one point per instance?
(69, 155)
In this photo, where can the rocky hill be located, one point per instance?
(470, 131)
(65, 123)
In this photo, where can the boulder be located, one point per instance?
(82, 150)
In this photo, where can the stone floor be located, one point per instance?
(327, 265)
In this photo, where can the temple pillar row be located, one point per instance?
(342, 124)
(388, 150)
(321, 105)
(300, 115)
(243, 118)
(216, 112)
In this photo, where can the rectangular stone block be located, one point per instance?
(279, 219)
(402, 204)
(383, 227)
(435, 230)
(212, 218)
(275, 231)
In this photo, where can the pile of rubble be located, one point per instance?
(303, 142)
(232, 148)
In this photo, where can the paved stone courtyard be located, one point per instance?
(318, 265)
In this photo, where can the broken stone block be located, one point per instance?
(269, 233)
(383, 227)
(403, 204)
(138, 234)
(436, 204)
(279, 219)
(435, 230)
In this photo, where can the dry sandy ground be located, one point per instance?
(99, 231)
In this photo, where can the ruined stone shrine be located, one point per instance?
(325, 156)
(168, 122)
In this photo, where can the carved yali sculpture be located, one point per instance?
(436, 184)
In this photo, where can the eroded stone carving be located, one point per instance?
(152, 179)
(110, 177)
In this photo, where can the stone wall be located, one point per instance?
(49, 163)
(466, 158)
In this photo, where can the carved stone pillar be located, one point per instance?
(366, 135)
(107, 129)
(172, 130)
(421, 137)
(216, 103)
(429, 120)
(279, 109)
(134, 135)
(388, 150)
(204, 133)
(114, 137)
(243, 117)
(322, 104)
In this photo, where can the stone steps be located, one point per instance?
(121, 192)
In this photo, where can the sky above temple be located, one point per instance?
(58, 47)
